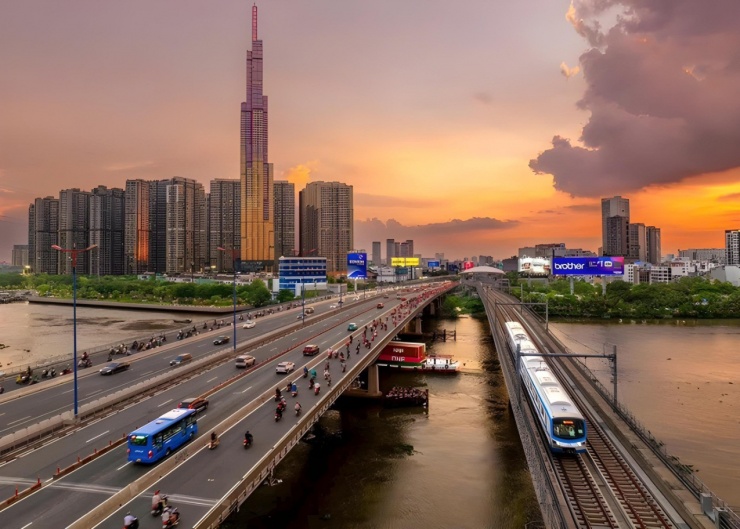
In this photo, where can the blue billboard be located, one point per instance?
(432, 264)
(356, 266)
(588, 266)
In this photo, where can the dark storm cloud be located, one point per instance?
(661, 90)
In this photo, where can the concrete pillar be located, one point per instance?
(373, 381)
(417, 327)
(432, 308)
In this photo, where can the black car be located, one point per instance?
(221, 340)
(194, 403)
(114, 367)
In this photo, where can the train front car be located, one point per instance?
(559, 419)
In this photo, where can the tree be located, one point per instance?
(285, 295)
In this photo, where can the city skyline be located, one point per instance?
(440, 159)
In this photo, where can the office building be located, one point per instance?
(224, 223)
(614, 207)
(637, 242)
(617, 232)
(732, 247)
(136, 227)
(327, 223)
(375, 256)
(713, 255)
(106, 219)
(297, 273)
(284, 213)
(390, 250)
(19, 256)
(257, 231)
(74, 227)
(652, 252)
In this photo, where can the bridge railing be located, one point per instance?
(682, 471)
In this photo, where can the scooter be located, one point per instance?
(159, 508)
(247, 443)
(173, 520)
(278, 416)
(316, 389)
(213, 444)
(297, 410)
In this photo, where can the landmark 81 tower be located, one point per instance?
(257, 231)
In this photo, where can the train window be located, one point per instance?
(568, 428)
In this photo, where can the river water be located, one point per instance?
(459, 464)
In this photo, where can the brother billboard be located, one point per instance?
(588, 266)
(356, 266)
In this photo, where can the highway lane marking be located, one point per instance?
(211, 380)
(94, 392)
(165, 402)
(125, 464)
(203, 345)
(1, 414)
(27, 525)
(68, 391)
(250, 387)
(273, 349)
(101, 435)
(147, 373)
(19, 420)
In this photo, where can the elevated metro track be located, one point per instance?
(620, 481)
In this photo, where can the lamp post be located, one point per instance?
(74, 253)
(234, 253)
(303, 303)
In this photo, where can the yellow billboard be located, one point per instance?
(404, 261)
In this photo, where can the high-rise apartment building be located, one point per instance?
(43, 232)
(613, 207)
(19, 257)
(224, 222)
(257, 231)
(74, 227)
(106, 219)
(284, 213)
(637, 242)
(136, 227)
(375, 256)
(732, 247)
(327, 223)
(652, 252)
(390, 250)
(185, 226)
(617, 232)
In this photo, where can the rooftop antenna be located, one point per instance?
(254, 22)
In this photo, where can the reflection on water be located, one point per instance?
(458, 465)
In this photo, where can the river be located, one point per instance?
(460, 464)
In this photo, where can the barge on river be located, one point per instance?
(413, 356)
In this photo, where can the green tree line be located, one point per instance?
(689, 297)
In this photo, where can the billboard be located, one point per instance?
(588, 266)
(534, 266)
(405, 261)
(432, 264)
(467, 265)
(356, 266)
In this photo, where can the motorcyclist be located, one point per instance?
(279, 412)
(157, 501)
(248, 437)
(130, 521)
(84, 356)
(214, 439)
(297, 408)
(169, 517)
(278, 394)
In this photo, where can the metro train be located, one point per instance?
(559, 419)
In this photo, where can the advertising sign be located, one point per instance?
(534, 266)
(432, 264)
(356, 266)
(588, 266)
(467, 265)
(405, 261)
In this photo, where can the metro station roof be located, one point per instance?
(483, 270)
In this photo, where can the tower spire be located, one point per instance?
(254, 22)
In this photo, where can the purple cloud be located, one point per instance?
(661, 90)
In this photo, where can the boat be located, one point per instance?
(183, 321)
(413, 356)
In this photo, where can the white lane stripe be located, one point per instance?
(125, 464)
(101, 435)
(250, 387)
(19, 420)
(211, 379)
(165, 402)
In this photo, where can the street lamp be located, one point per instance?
(303, 303)
(74, 253)
(234, 253)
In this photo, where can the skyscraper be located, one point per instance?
(617, 231)
(185, 239)
(106, 231)
(637, 242)
(390, 250)
(327, 223)
(613, 207)
(43, 232)
(74, 227)
(257, 232)
(224, 222)
(284, 213)
(653, 251)
(376, 253)
(136, 227)
(732, 247)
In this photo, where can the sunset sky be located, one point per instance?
(473, 127)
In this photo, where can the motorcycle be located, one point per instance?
(316, 389)
(158, 509)
(247, 443)
(278, 416)
(84, 363)
(213, 444)
(305, 372)
(66, 370)
(297, 410)
(294, 390)
(278, 395)
(173, 520)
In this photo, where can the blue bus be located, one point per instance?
(162, 436)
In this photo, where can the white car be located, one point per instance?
(285, 367)
(249, 324)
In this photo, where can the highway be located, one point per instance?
(66, 498)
